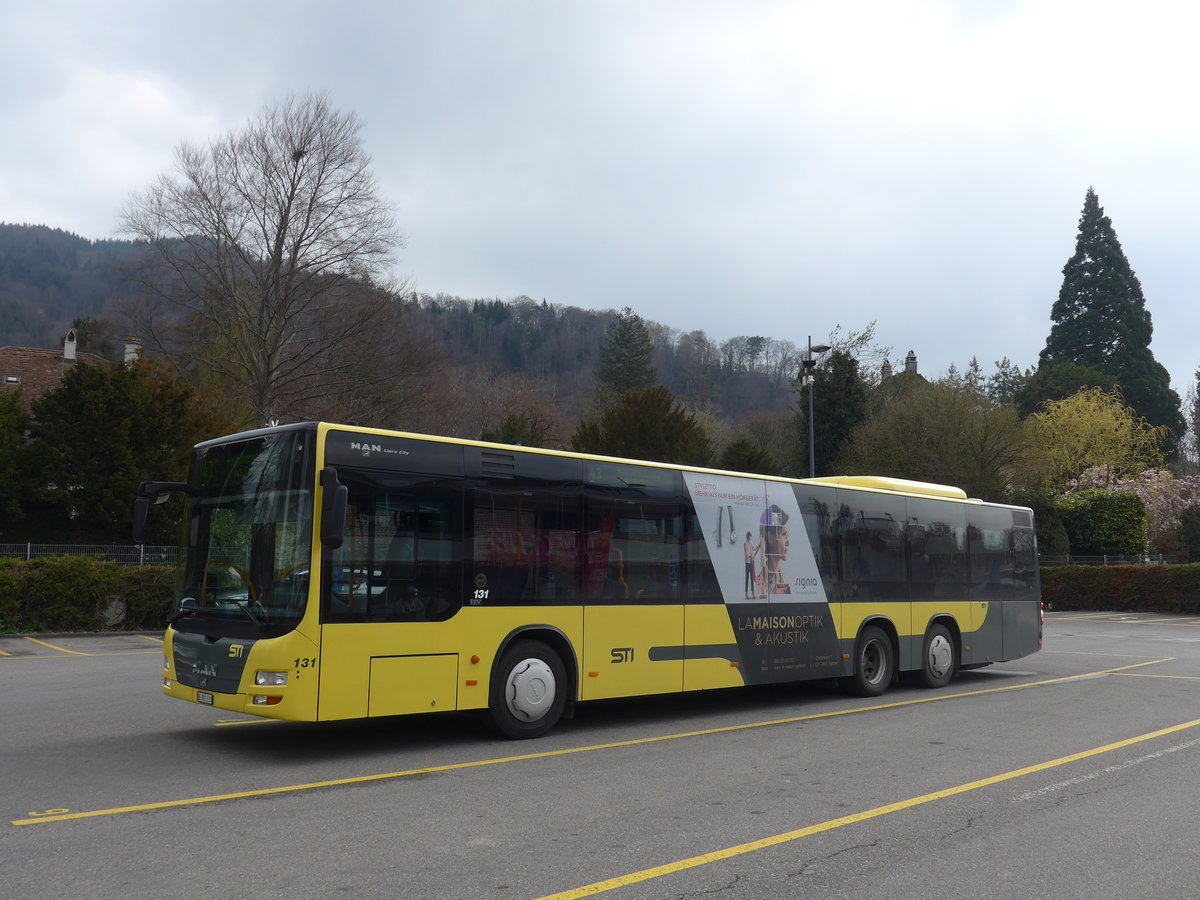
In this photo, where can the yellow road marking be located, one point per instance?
(1126, 618)
(611, 884)
(147, 637)
(5, 653)
(59, 649)
(1098, 653)
(59, 655)
(1147, 675)
(547, 754)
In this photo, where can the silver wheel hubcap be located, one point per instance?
(530, 689)
(941, 656)
(873, 662)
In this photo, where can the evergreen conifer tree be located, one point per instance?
(1101, 322)
(626, 356)
(743, 455)
(13, 421)
(840, 404)
(646, 424)
(103, 430)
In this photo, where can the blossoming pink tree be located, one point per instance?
(1165, 497)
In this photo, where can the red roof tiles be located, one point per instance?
(34, 372)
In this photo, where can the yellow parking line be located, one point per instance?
(1099, 653)
(64, 815)
(146, 637)
(1126, 618)
(611, 884)
(59, 649)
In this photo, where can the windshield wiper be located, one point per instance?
(185, 609)
(261, 623)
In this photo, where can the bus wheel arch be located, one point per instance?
(530, 685)
(875, 655)
(940, 654)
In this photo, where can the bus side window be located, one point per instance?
(818, 508)
(873, 538)
(937, 549)
(990, 534)
(524, 546)
(402, 546)
(402, 556)
(701, 578)
(1025, 561)
(634, 550)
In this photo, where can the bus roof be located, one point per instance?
(899, 485)
(866, 482)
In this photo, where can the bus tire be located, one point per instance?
(939, 657)
(874, 663)
(529, 691)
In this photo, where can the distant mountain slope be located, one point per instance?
(49, 278)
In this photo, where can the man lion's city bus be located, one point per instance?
(334, 572)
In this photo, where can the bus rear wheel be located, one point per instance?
(874, 663)
(939, 657)
(528, 691)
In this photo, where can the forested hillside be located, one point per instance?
(226, 352)
(558, 346)
(50, 278)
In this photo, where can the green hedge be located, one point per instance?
(1099, 522)
(1164, 589)
(79, 593)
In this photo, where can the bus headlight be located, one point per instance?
(270, 679)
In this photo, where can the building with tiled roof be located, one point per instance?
(33, 372)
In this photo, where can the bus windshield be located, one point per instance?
(246, 565)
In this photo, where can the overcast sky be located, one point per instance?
(769, 168)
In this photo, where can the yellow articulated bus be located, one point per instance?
(335, 572)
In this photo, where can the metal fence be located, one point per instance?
(148, 555)
(1143, 559)
(125, 554)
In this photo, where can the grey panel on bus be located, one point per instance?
(401, 454)
(211, 665)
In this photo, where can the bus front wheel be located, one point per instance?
(528, 691)
(939, 657)
(874, 663)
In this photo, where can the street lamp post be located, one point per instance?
(810, 363)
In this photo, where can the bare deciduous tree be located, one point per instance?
(264, 246)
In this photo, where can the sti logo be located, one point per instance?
(366, 449)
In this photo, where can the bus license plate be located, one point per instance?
(202, 697)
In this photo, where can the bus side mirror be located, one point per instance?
(141, 506)
(333, 509)
(160, 491)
